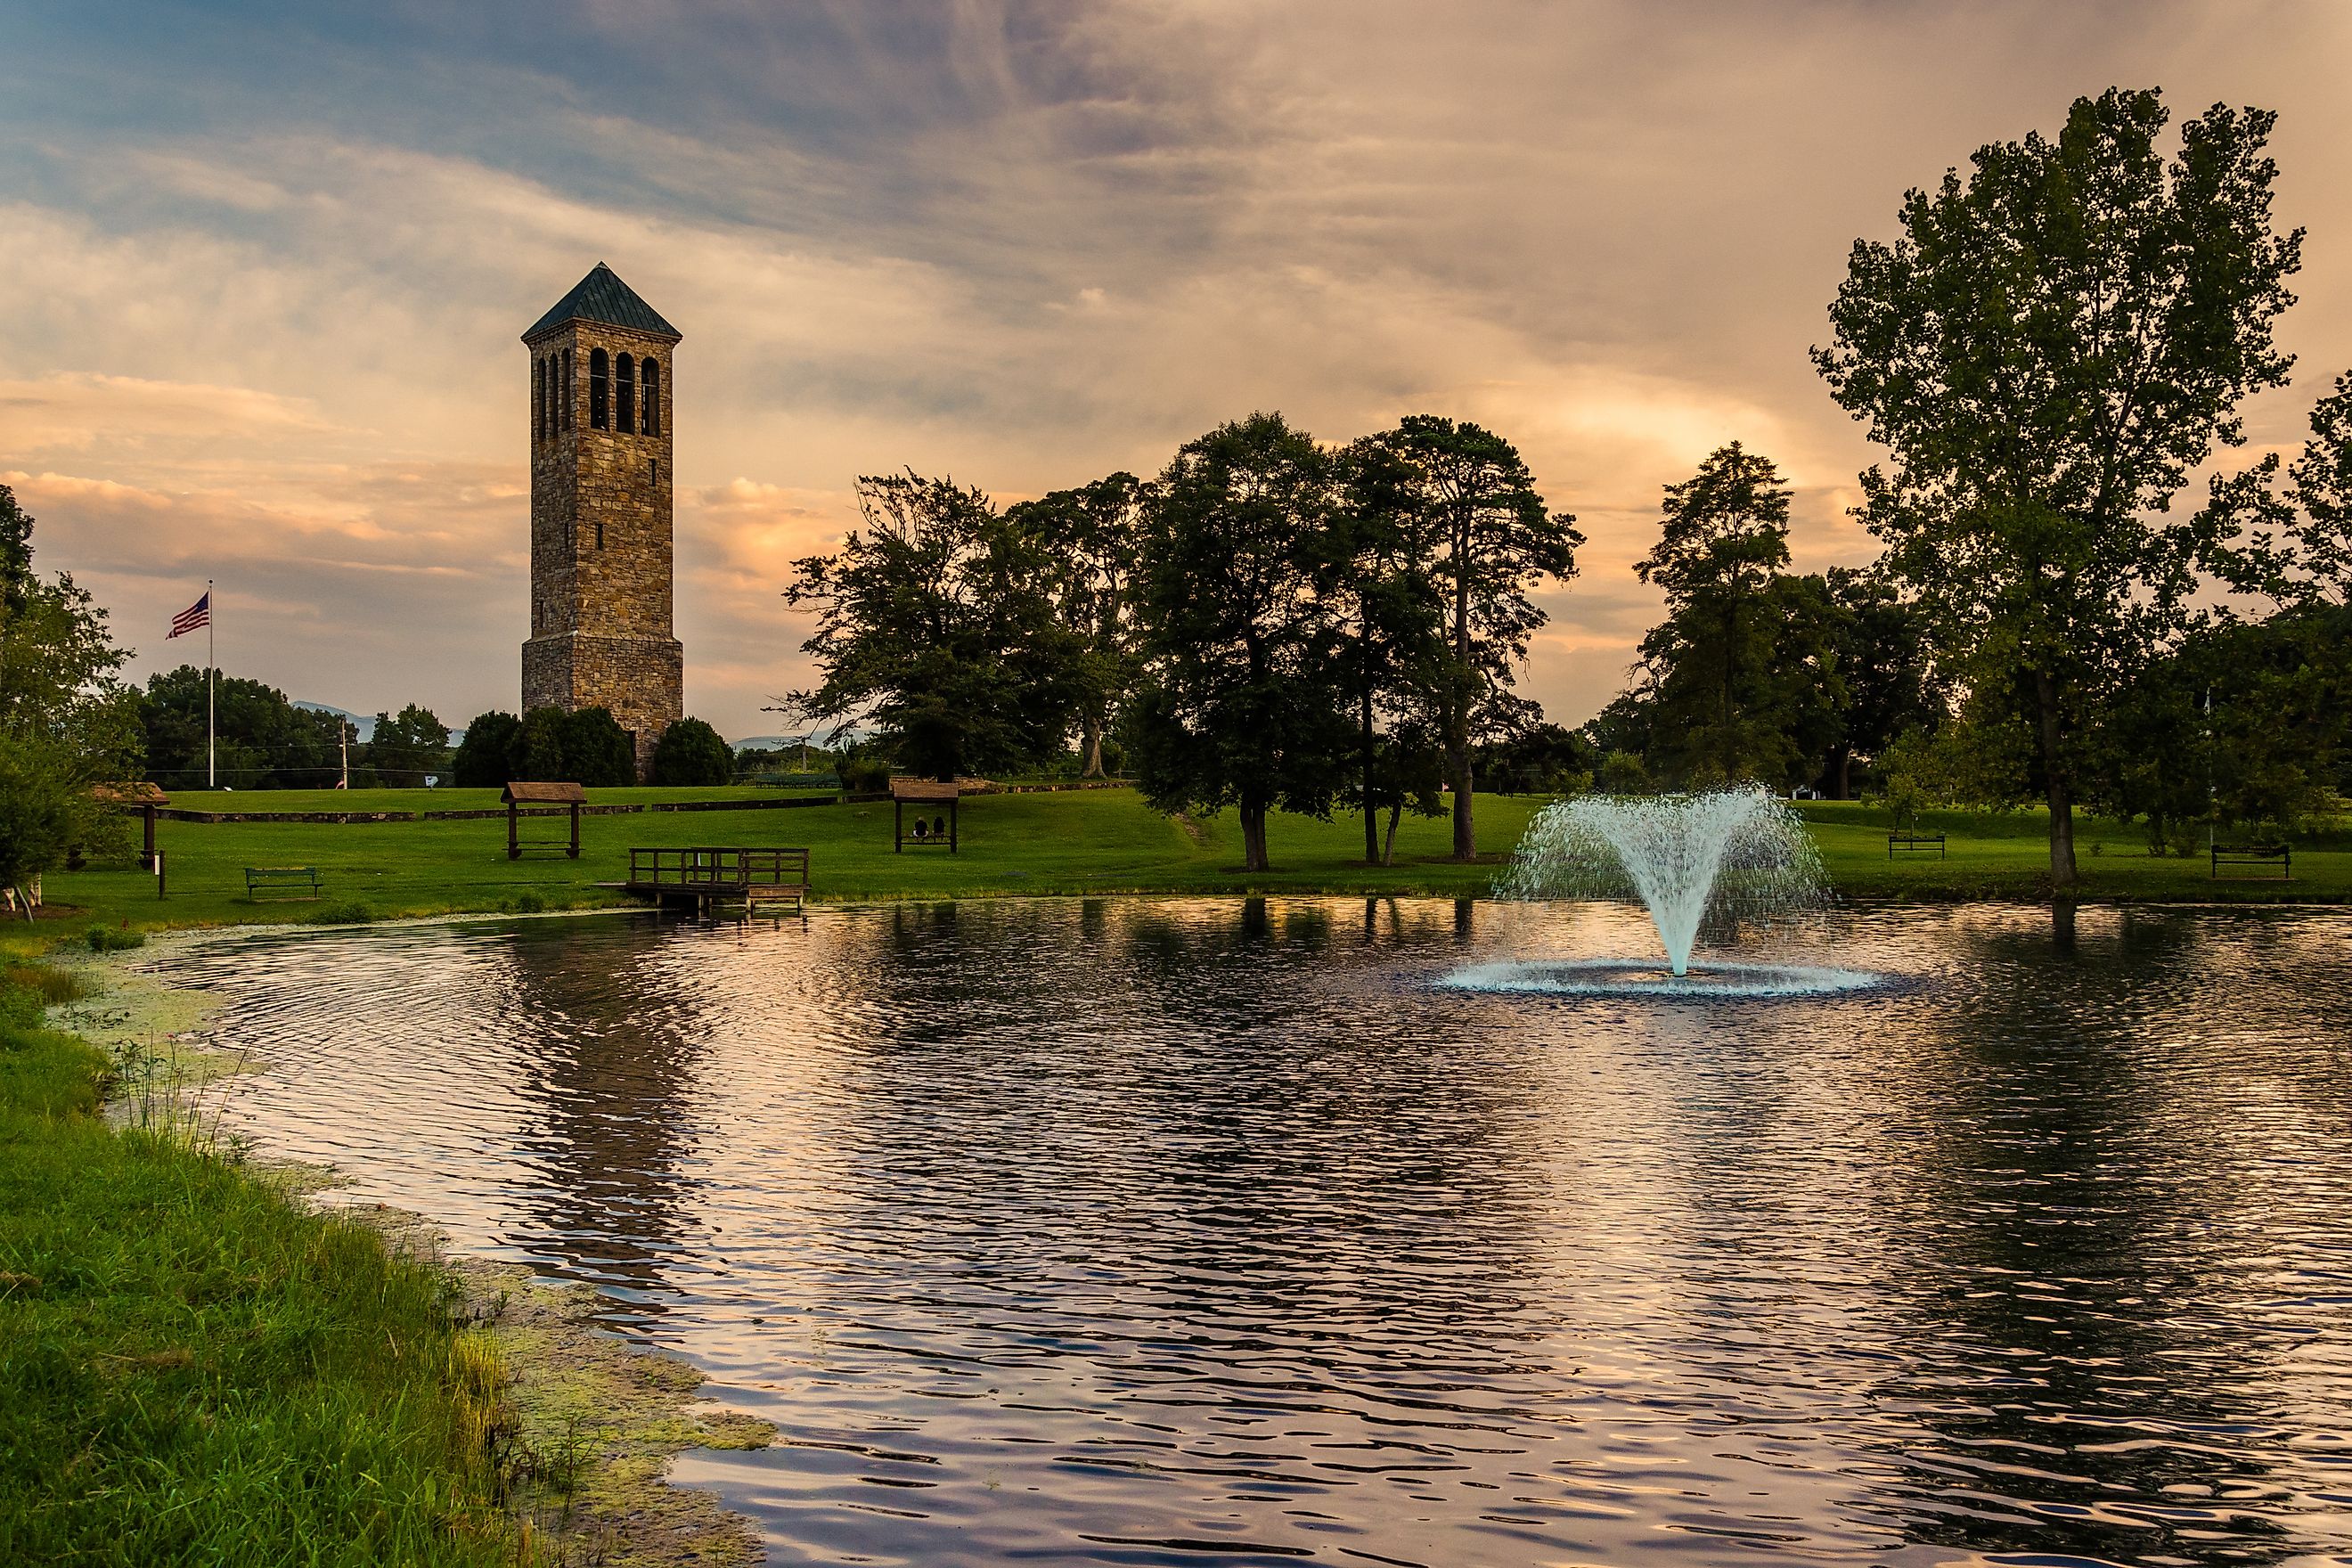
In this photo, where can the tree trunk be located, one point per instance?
(1388, 851)
(1254, 837)
(1845, 773)
(1457, 736)
(1371, 816)
(1466, 833)
(1093, 747)
(2062, 875)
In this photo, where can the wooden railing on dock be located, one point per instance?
(714, 876)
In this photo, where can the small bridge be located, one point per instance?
(711, 877)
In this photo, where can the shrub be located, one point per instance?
(481, 760)
(111, 938)
(864, 775)
(691, 752)
(535, 750)
(42, 803)
(343, 913)
(528, 902)
(1624, 773)
(596, 749)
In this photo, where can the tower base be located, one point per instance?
(641, 681)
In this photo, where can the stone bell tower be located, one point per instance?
(601, 396)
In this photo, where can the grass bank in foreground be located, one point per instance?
(1092, 842)
(193, 1370)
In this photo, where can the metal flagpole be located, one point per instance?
(209, 782)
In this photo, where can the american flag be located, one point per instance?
(194, 617)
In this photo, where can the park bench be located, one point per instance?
(2279, 854)
(281, 882)
(1914, 844)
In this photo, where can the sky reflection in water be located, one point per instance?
(1141, 1231)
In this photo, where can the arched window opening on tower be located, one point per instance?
(653, 396)
(566, 377)
(624, 386)
(600, 391)
(538, 402)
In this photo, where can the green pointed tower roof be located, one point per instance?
(602, 297)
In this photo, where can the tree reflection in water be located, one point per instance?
(1076, 1230)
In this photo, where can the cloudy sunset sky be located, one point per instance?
(267, 265)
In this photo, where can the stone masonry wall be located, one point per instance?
(601, 550)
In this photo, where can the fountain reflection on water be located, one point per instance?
(1727, 859)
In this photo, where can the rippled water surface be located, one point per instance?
(1193, 1232)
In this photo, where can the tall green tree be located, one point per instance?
(1745, 675)
(1386, 623)
(1237, 706)
(16, 548)
(482, 758)
(1886, 667)
(2245, 726)
(264, 741)
(2293, 543)
(67, 720)
(937, 625)
(407, 745)
(1495, 544)
(2048, 351)
(691, 752)
(1087, 539)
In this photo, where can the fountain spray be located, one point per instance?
(1734, 854)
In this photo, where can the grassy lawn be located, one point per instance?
(1996, 855)
(1100, 841)
(1085, 841)
(414, 800)
(192, 1370)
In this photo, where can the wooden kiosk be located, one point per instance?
(518, 796)
(928, 831)
(141, 796)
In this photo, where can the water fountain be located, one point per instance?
(1727, 859)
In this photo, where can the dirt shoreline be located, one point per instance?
(589, 1423)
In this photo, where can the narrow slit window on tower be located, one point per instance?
(566, 377)
(653, 470)
(600, 533)
(625, 395)
(651, 375)
(600, 390)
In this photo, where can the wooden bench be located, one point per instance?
(1914, 844)
(287, 882)
(2279, 854)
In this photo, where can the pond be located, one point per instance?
(1165, 1231)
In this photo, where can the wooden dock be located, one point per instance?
(711, 878)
